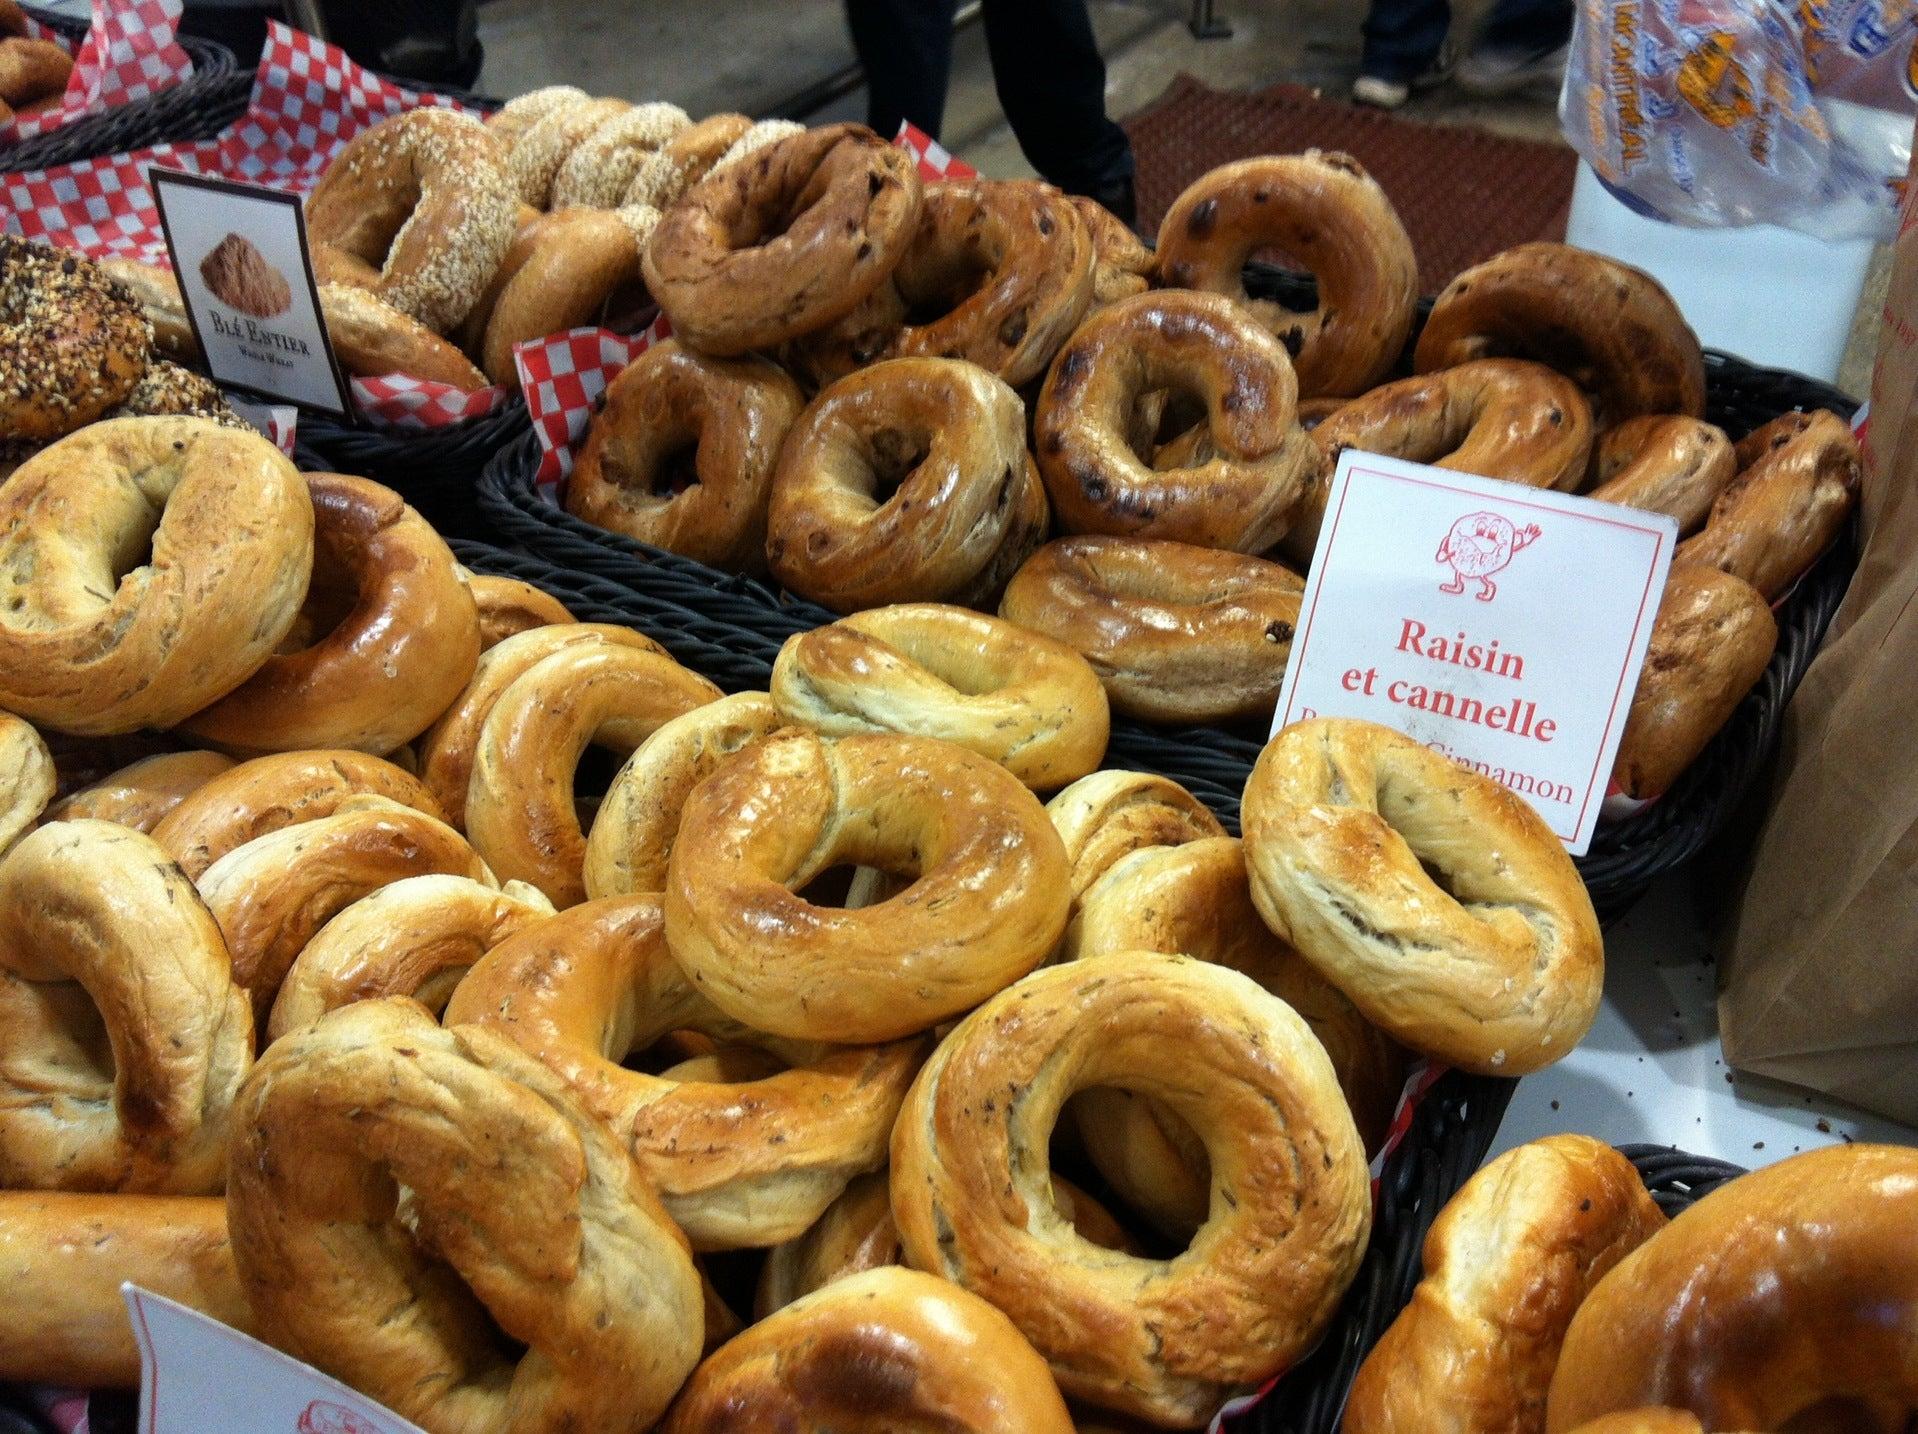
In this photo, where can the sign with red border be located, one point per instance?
(1501, 625)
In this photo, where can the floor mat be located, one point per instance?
(1464, 194)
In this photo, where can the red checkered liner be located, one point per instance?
(128, 54)
(564, 376)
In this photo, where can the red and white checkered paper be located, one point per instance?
(129, 53)
(308, 100)
(564, 376)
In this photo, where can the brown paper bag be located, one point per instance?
(1818, 981)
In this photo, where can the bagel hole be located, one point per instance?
(942, 282)
(76, 1038)
(676, 471)
(1276, 257)
(1071, 1157)
(849, 887)
(1167, 428)
(491, 1352)
(592, 776)
(762, 224)
(894, 454)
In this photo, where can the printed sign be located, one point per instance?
(239, 252)
(1501, 625)
(197, 1375)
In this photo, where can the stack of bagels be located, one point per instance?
(883, 390)
(335, 1002)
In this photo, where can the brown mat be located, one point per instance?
(1464, 194)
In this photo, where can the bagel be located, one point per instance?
(1121, 264)
(519, 114)
(423, 198)
(1291, 1204)
(1644, 1421)
(580, 259)
(167, 390)
(1329, 215)
(856, 1233)
(64, 1257)
(785, 241)
(125, 1037)
(512, 1190)
(1434, 897)
(32, 71)
(1498, 418)
(336, 266)
(406, 646)
(1711, 641)
(540, 151)
(1175, 633)
(520, 812)
(1785, 1292)
(967, 508)
(1241, 491)
(141, 793)
(267, 794)
(1664, 463)
(448, 749)
(998, 273)
(272, 896)
(1797, 480)
(638, 820)
(508, 607)
(207, 593)
(1507, 1264)
(72, 342)
(1107, 816)
(736, 1165)
(1195, 900)
(636, 476)
(371, 338)
(1611, 328)
(602, 166)
(27, 778)
(987, 902)
(417, 937)
(684, 160)
(157, 293)
(1029, 703)
(885, 1349)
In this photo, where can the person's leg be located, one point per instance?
(906, 49)
(1523, 46)
(1527, 26)
(1052, 83)
(1403, 38)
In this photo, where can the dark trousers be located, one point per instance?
(1403, 37)
(1045, 64)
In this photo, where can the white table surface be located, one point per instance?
(1652, 1071)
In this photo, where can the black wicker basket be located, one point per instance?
(1678, 1181)
(435, 468)
(1213, 761)
(181, 113)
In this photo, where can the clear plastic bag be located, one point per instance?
(1717, 113)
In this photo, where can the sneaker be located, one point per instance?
(1489, 73)
(1379, 93)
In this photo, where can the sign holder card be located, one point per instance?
(241, 257)
(1502, 625)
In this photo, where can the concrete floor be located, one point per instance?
(752, 54)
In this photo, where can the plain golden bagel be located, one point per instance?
(1324, 210)
(1493, 962)
(1175, 633)
(72, 342)
(1252, 464)
(887, 1349)
(1664, 463)
(213, 531)
(986, 903)
(581, 260)
(1507, 1264)
(27, 778)
(737, 1164)
(967, 508)
(1030, 704)
(418, 938)
(638, 819)
(508, 607)
(784, 241)
(1611, 328)
(403, 650)
(514, 1192)
(1786, 1290)
(1108, 815)
(520, 811)
(141, 793)
(422, 197)
(125, 1037)
(371, 338)
(272, 896)
(1167, 1341)
(633, 476)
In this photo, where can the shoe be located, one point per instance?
(1490, 73)
(1380, 93)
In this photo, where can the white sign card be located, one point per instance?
(240, 255)
(1501, 625)
(198, 1375)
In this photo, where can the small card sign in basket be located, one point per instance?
(130, 52)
